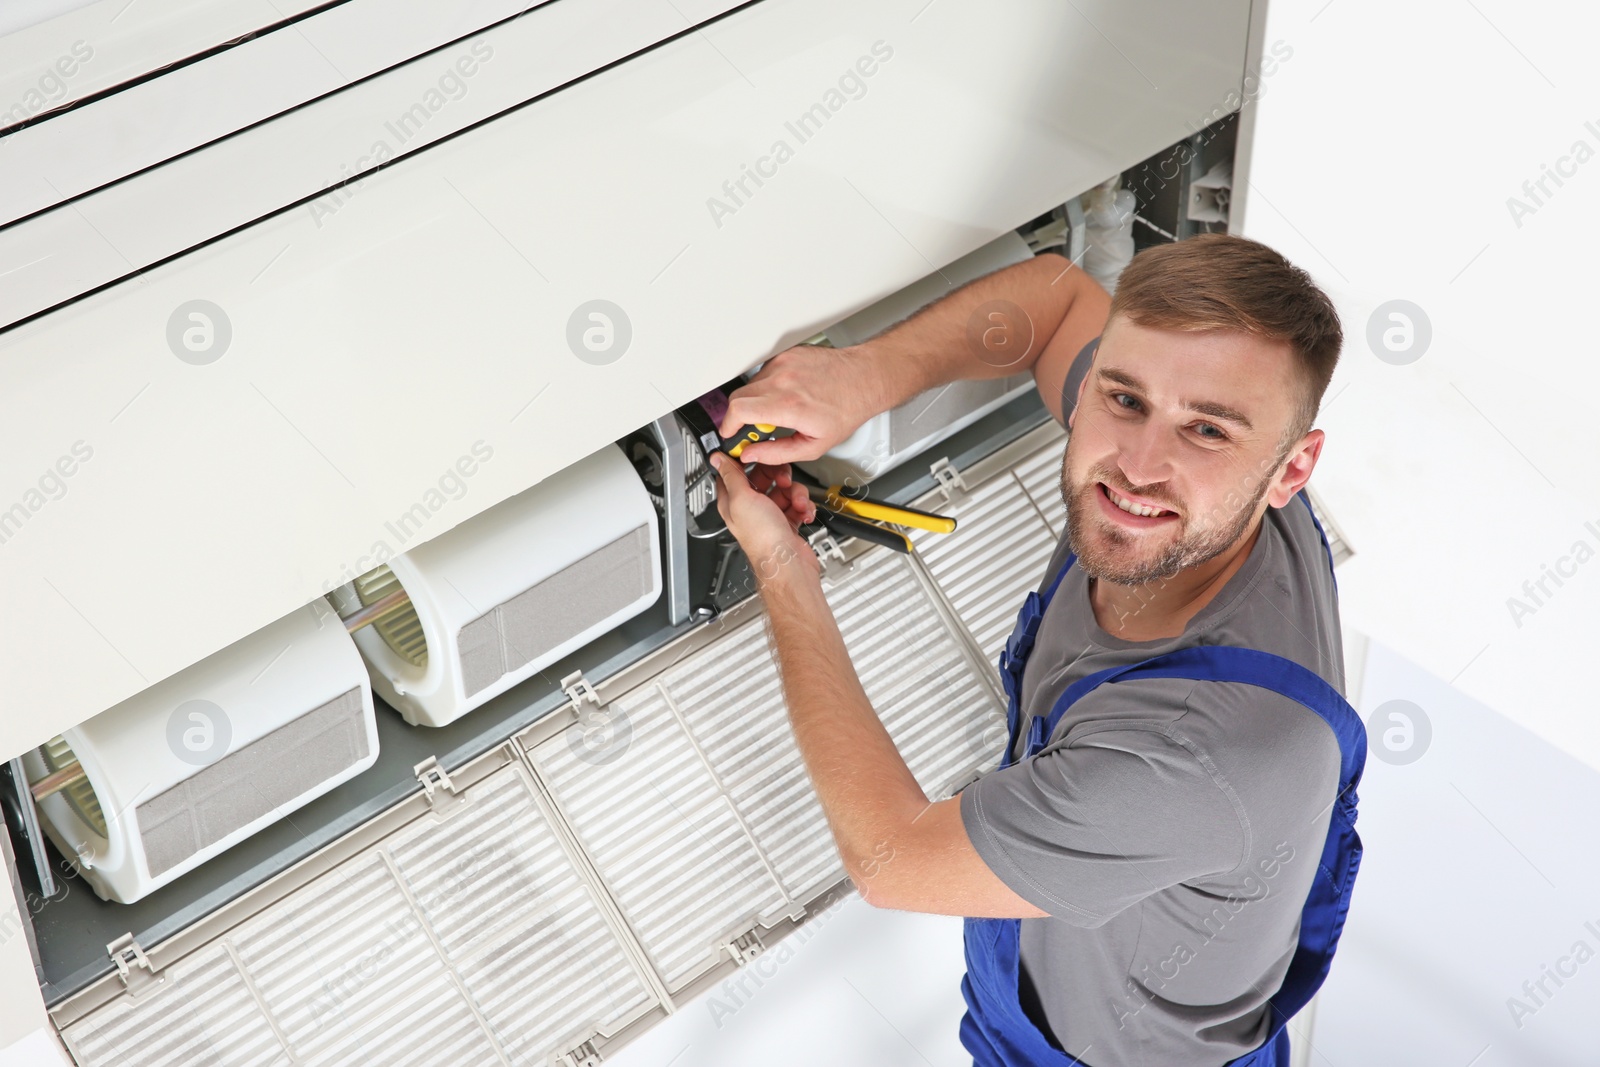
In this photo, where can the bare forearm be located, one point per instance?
(993, 327)
(865, 788)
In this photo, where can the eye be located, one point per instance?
(1117, 398)
(1218, 436)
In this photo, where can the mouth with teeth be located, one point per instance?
(1128, 513)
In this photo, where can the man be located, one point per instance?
(1157, 857)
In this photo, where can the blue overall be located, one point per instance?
(995, 1029)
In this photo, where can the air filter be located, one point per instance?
(157, 785)
(510, 590)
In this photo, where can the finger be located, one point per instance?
(730, 473)
(782, 450)
(801, 504)
(752, 396)
(761, 480)
(749, 409)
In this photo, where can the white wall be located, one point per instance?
(868, 986)
(1387, 147)
(1480, 871)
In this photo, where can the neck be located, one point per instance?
(1153, 610)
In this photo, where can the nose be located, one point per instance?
(1144, 454)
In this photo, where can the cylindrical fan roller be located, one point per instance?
(152, 788)
(464, 617)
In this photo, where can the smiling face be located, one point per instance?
(1186, 427)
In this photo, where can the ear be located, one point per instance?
(1083, 386)
(1297, 469)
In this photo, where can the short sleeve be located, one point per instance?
(1075, 376)
(1086, 830)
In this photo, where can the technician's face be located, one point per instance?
(1186, 422)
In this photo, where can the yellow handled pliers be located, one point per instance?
(853, 502)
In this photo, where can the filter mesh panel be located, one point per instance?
(690, 875)
(243, 786)
(1040, 475)
(939, 713)
(730, 697)
(662, 833)
(202, 1016)
(517, 923)
(997, 553)
(447, 939)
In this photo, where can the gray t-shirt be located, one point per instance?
(1170, 827)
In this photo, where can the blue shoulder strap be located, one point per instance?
(1226, 663)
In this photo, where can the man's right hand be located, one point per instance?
(823, 394)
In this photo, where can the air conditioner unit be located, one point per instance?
(167, 779)
(886, 440)
(510, 590)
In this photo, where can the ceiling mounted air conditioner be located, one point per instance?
(165, 780)
(511, 590)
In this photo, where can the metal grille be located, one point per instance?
(475, 939)
(269, 773)
(555, 609)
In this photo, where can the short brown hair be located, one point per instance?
(1220, 282)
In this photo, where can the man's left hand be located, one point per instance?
(764, 512)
